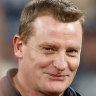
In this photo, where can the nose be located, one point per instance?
(60, 62)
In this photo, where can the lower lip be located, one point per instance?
(57, 78)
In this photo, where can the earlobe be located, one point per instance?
(17, 46)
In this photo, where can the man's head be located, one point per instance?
(49, 54)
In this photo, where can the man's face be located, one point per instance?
(51, 57)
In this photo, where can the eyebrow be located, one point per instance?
(49, 45)
(75, 48)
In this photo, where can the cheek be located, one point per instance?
(37, 60)
(43, 61)
(74, 63)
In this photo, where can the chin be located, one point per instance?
(56, 89)
(54, 92)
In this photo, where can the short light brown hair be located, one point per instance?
(62, 10)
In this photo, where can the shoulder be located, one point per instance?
(3, 86)
(6, 85)
(71, 92)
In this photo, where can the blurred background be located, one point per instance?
(85, 80)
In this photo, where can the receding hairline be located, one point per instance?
(35, 8)
(46, 14)
(59, 8)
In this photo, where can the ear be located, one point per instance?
(18, 44)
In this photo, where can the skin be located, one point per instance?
(50, 59)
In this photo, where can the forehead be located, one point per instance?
(47, 28)
(48, 23)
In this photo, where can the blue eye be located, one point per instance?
(72, 52)
(48, 49)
